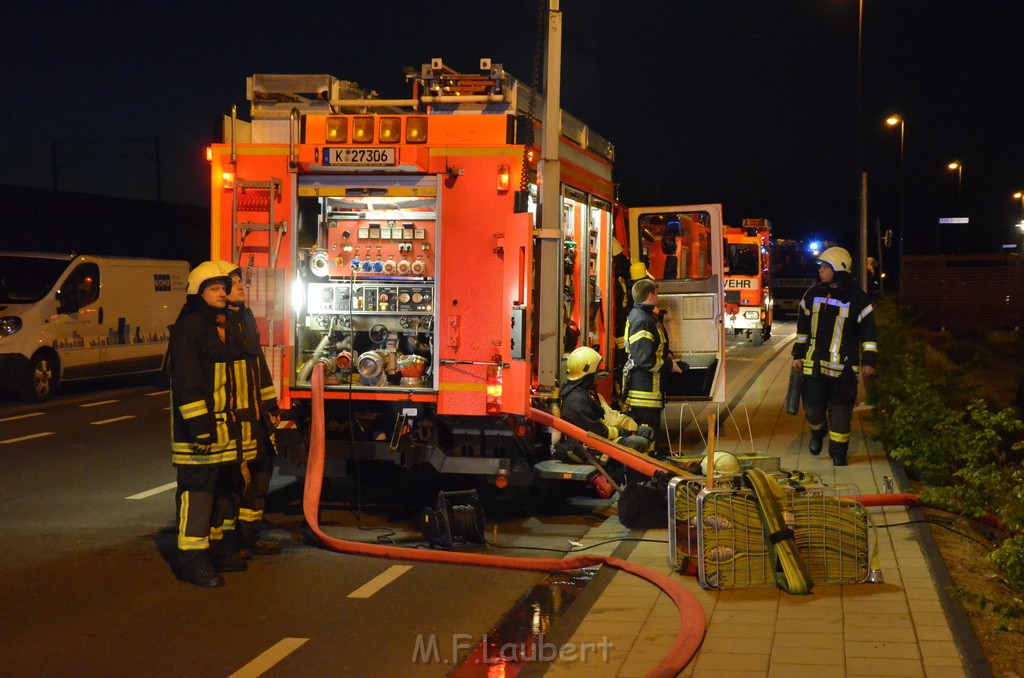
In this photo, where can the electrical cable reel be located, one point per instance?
(457, 516)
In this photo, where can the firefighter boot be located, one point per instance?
(817, 443)
(249, 535)
(225, 561)
(195, 567)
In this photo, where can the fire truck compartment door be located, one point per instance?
(682, 247)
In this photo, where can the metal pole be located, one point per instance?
(902, 196)
(863, 271)
(549, 193)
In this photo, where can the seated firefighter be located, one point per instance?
(582, 406)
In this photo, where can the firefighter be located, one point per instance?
(647, 348)
(624, 280)
(206, 355)
(581, 405)
(835, 341)
(263, 413)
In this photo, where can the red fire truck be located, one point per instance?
(397, 243)
(748, 280)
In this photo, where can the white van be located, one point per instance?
(66, 317)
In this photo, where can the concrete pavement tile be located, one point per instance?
(810, 626)
(624, 603)
(924, 606)
(898, 634)
(576, 669)
(864, 667)
(742, 617)
(928, 632)
(944, 668)
(809, 641)
(820, 656)
(899, 619)
(806, 671)
(724, 673)
(930, 619)
(608, 627)
(859, 606)
(731, 662)
(746, 644)
(882, 648)
(939, 648)
(822, 612)
(734, 631)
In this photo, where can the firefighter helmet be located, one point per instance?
(638, 271)
(725, 462)
(207, 273)
(581, 362)
(229, 269)
(838, 258)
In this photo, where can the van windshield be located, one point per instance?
(26, 280)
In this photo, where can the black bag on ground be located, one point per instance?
(644, 505)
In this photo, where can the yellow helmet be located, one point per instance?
(838, 258)
(229, 268)
(581, 362)
(638, 271)
(204, 274)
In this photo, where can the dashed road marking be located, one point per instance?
(111, 421)
(23, 416)
(98, 403)
(267, 660)
(380, 581)
(155, 490)
(156, 393)
(34, 435)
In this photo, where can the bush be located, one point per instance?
(968, 455)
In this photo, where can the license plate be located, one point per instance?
(362, 157)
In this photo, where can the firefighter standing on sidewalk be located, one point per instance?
(647, 347)
(262, 412)
(835, 341)
(207, 443)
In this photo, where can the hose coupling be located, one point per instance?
(875, 577)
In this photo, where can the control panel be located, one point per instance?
(362, 298)
(378, 248)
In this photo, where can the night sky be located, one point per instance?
(752, 104)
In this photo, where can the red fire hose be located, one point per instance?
(691, 614)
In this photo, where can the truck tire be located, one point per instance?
(41, 378)
(758, 338)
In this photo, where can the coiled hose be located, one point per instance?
(691, 613)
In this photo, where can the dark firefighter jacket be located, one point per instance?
(209, 377)
(581, 407)
(263, 398)
(647, 346)
(835, 328)
(620, 268)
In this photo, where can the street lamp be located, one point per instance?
(958, 167)
(1019, 195)
(892, 121)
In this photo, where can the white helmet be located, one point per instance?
(724, 463)
(207, 273)
(838, 258)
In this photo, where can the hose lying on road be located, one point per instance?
(691, 613)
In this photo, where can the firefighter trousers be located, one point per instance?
(828, 403)
(256, 475)
(207, 502)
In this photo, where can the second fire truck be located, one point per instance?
(748, 280)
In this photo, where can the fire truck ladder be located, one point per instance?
(257, 197)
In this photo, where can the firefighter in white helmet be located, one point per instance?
(582, 406)
(835, 342)
(207, 443)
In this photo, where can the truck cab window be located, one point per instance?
(81, 288)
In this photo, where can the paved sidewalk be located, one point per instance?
(896, 628)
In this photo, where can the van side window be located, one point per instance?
(81, 288)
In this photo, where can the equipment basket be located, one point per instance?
(720, 528)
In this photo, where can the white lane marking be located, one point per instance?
(34, 435)
(380, 581)
(155, 490)
(267, 660)
(110, 421)
(99, 402)
(23, 416)
(164, 392)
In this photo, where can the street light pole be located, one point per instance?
(892, 121)
(958, 167)
(1019, 195)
